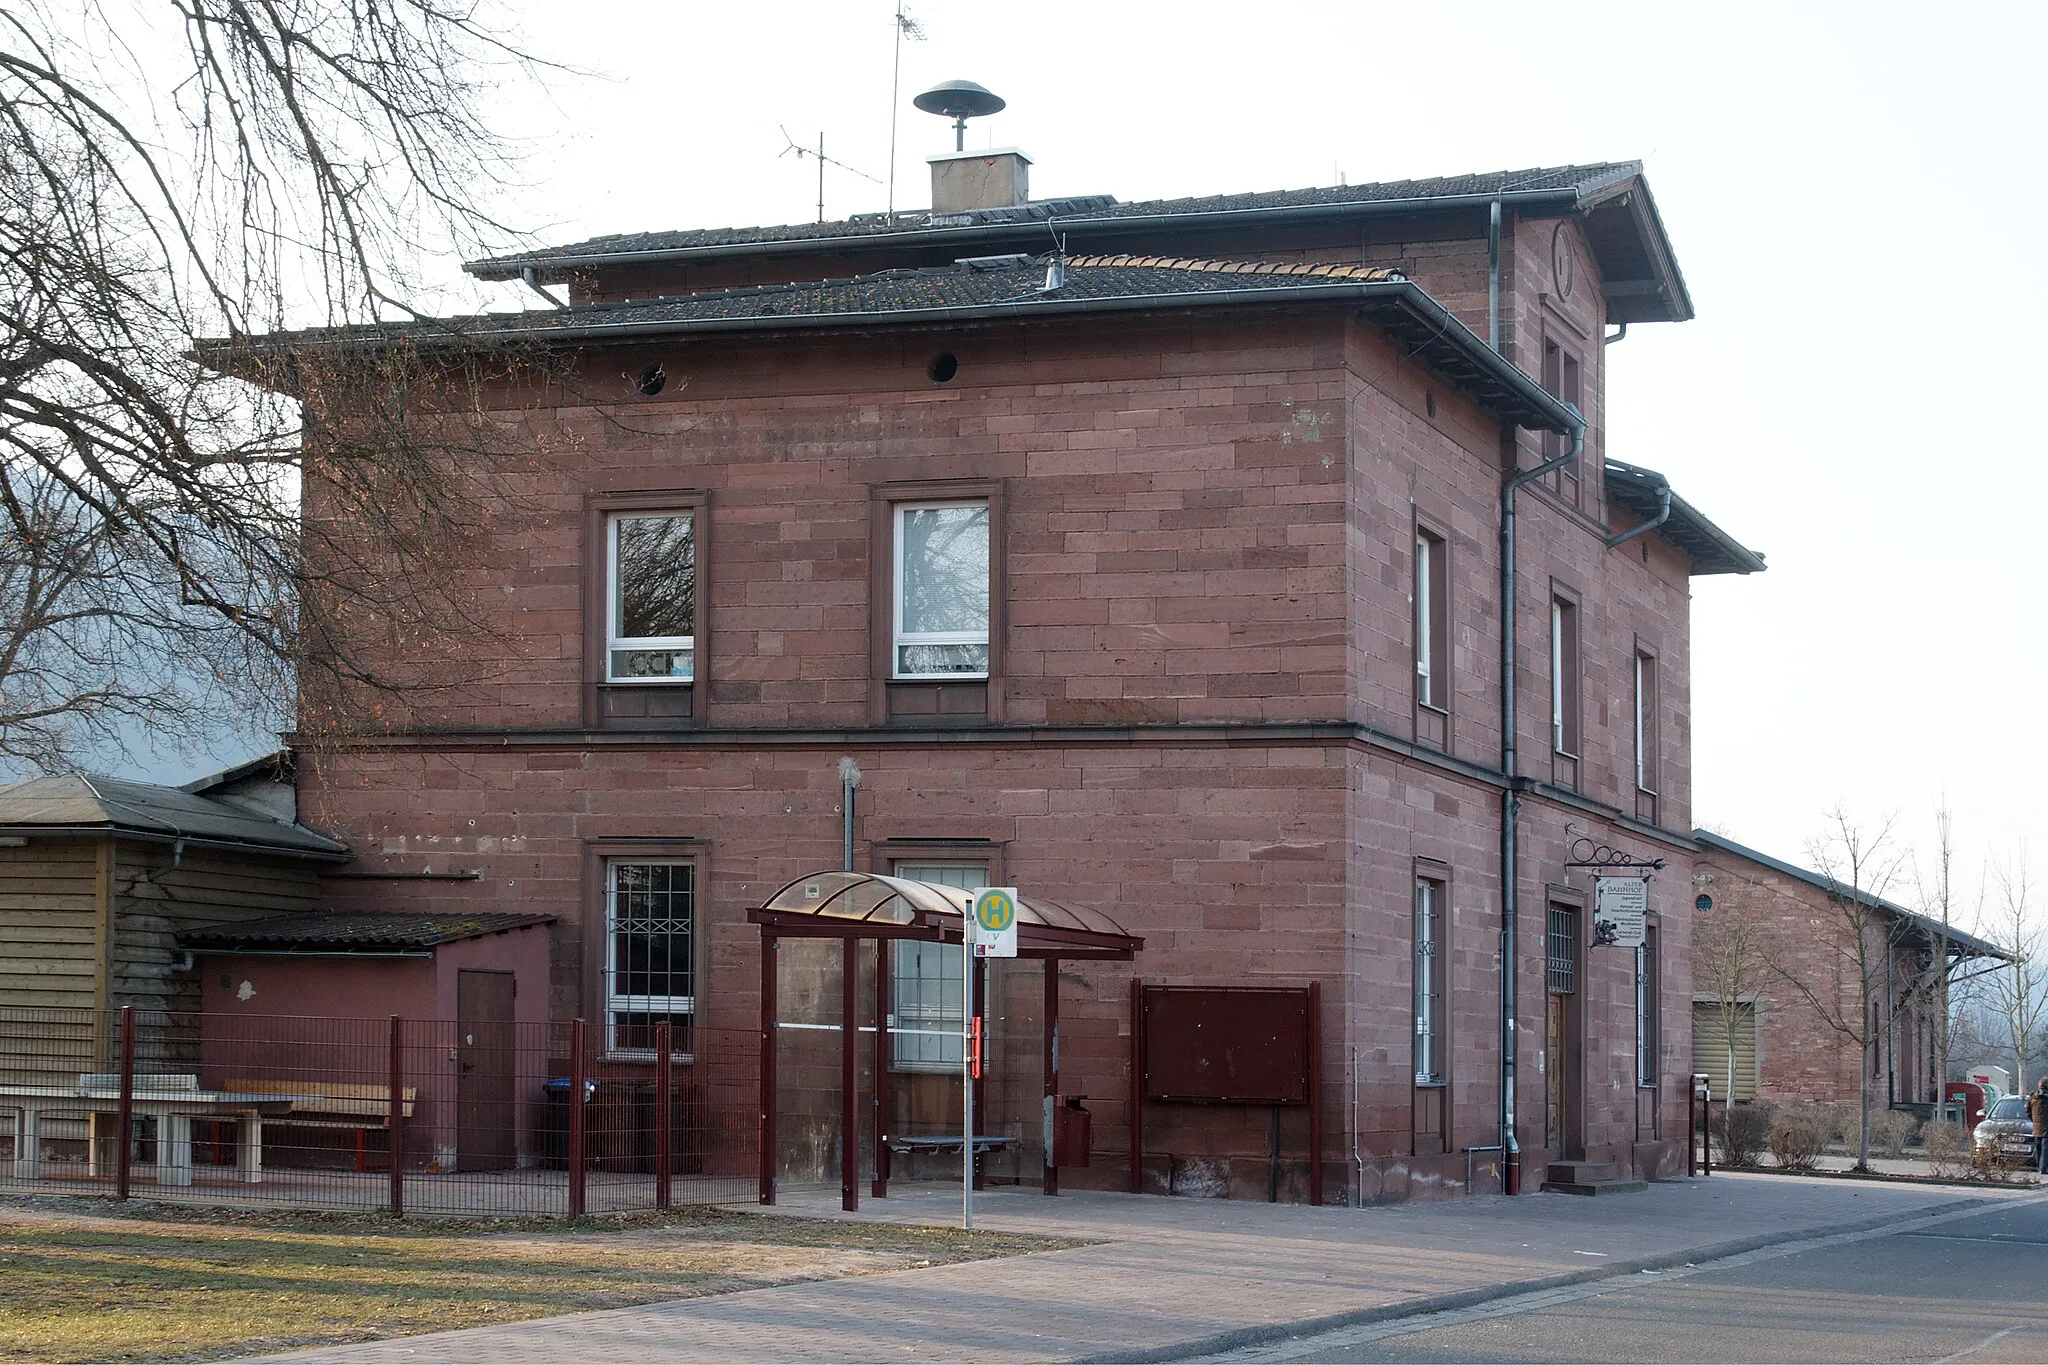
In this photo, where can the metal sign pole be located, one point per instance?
(967, 1071)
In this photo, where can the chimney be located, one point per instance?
(965, 181)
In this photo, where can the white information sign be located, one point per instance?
(1620, 905)
(995, 921)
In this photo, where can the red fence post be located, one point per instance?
(576, 1117)
(1137, 1116)
(849, 1075)
(1315, 1092)
(664, 1112)
(766, 1131)
(883, 1051)
(394, 1117)
(124, 1124)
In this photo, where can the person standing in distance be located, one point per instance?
(2037, 1110)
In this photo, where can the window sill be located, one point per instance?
(938, 701)
(1437, 1084)
(1434, 709)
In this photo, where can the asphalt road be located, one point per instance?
(1973, 1287)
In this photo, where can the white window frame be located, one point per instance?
(1429, 968)
(616, 1004)
(900, 638)
(1558, 685)
(614, 642)
(1646, 776)
(1425, 637)
(936, 1031)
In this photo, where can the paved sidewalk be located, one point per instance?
(1176, 1276)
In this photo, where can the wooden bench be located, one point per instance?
(331, 1104)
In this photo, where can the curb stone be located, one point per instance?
(1470, 1298)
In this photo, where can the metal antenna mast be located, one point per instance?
(906, 27)
(823, 161)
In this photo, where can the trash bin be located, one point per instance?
(1073, 1134)
(554, 1121)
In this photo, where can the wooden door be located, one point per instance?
(1561, 1118)
(485, 1139)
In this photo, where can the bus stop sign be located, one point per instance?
(995, 921)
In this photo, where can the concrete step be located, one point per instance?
(1595, 1186)
(1589, 1177)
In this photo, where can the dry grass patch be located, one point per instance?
(164, 1283)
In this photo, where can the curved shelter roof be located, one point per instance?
(840, 904)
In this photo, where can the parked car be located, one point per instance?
(2006, 1130)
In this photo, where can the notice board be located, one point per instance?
(1227, 1044)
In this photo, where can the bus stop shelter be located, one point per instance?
(856, 906)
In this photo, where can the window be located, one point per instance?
(1432, 625)
(1561, 380)
(1564, 676)
(1430, 963)
(924, 983)
(1724, 1047)
(651, 582)
(1646, 1010)
(649, 975)
(1646, 722)
(942, 590)
(1563, 964)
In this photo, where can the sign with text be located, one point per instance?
(995, 921)
(1620, 908)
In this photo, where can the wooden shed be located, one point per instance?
(98, 877)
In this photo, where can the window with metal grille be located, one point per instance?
(1429, 984)
(924, 982)
(1564, 950)
(649, 975)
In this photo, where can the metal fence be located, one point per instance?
(404, 1115)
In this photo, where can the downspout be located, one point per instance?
(1493, 275)
(530, 277)
(1511, 800)
(1663, 515)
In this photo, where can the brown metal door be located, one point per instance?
(1561, 1127)
(484, 1135)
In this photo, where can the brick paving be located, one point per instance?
(1174, 1276)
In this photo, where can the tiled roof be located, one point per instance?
(1713, 550)
(93, 803)
(1070, 214)
(354, 932)
(969, 283)
(984, 289)
(1966, 945)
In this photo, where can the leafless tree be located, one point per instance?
(180, 169)
(2017, 996)
(1853, 996)
(1935, 988)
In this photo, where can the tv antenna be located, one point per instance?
(960, 101)
(818, 152)
(906, 27)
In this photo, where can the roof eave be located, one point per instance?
(1971, 945)
(338, 854)
(557, 269)
(1518, 396)
(1733, 556)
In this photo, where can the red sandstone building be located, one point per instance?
(1159, 573)
(1794, 1019)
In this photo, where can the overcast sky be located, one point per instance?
(1852, 191)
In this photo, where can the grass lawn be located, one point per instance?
(159, 1282)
